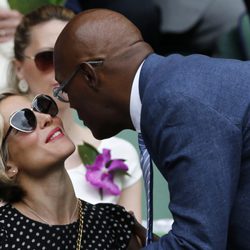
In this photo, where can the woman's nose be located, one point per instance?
(43, 120)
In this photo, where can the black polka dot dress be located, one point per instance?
(106, 226)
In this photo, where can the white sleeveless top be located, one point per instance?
(120, 149)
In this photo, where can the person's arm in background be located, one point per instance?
(131, 183)
(131, 199)
(140, 233)
(131, 190)
(9, 19)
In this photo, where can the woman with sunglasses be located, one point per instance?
(33, 49)
(41, 210)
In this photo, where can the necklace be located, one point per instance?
(80, 229)
(79, 236)
(44, 220)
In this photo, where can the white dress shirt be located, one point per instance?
(135, 102)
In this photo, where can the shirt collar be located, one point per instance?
(135, 102)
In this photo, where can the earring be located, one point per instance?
(12, 172)
(23, 86)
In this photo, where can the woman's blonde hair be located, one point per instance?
(10, 191)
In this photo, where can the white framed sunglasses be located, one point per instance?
(24, 120)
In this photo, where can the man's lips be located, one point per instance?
(54, 135)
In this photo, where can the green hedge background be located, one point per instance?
(25, 6)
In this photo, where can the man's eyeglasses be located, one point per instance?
(59, 92)
(43, 60)
(24, 120)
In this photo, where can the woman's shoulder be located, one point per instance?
(9, 216)
(5, 210)
(110, 207)
(111, 211)
(111, 222)
(103, 206)
(5, 217)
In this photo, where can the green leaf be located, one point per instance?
(121, 172)
(87, 153)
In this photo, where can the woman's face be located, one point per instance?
(37, 151)
(43, 38)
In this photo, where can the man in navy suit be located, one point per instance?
(193, 113)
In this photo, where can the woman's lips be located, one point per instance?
(54, 135)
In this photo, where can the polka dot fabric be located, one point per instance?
(106, 226)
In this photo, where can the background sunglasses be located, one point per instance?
(24, 120)
(43, 60)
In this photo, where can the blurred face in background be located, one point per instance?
(37, 67)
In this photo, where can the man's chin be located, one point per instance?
(102, 134)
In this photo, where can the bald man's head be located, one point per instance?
(100, 90)
(98, 33)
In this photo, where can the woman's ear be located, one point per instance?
(11, 171)
(18, 66)
(90, 75)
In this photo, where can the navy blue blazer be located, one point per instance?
(195, 121)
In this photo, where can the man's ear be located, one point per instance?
(90, 76)
(11, 170)
(18, 65)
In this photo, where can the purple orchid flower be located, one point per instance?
(101, 172)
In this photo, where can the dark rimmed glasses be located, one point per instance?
(59, 92)
(24, 120)
(43, 60)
